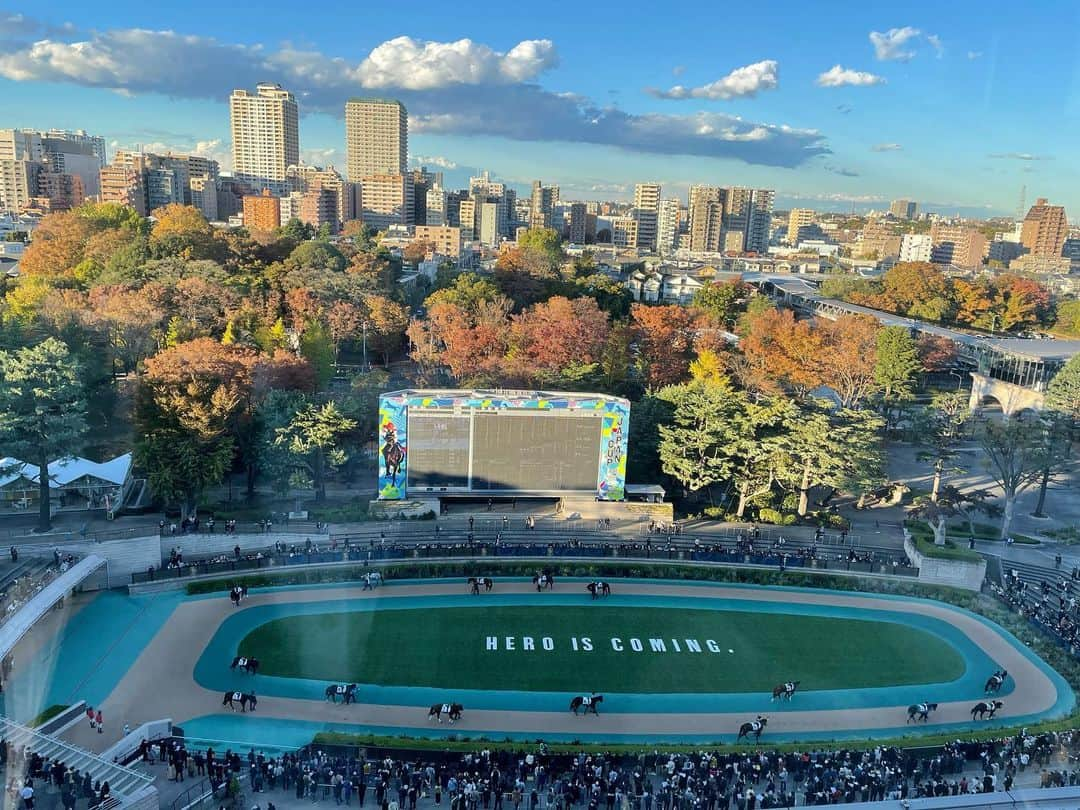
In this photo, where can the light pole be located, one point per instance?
(365, 345)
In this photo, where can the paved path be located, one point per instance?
(160, 683)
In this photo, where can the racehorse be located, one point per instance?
(987, 708)
(249, 665)
(347, 692)
(920, 711)
(995, 682)
(245, 699)
(544, 580)
(785, 690)
(392, 452)
(451, 710)
(754, 727)
(476, 583)
(598, 589)
(586, 702)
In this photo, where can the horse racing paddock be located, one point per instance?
(674, 661)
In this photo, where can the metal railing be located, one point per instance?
(364, 550)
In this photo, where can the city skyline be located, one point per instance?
(532, 98)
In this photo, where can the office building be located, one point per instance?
(915, 247)
(376, 138)
(265, 136)
(262, 212)
(489, 217)
(798, 218)
(667, 225)
(1045, 228)
(957, 245)
(903, 209)
(544, 199)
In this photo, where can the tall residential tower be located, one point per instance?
(376, 138)
(265, 136)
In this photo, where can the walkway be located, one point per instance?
(41, 603)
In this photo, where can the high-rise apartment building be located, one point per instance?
(737, 207)
(376, 138)
(386, 199)
(957, 245)
(262, 212)
(434, 207)
(647, 196)
(444, 239)
(1045, 229)
(265, 136)
(667, 225)
(578, 223)
(44, 174)
(124, 184)
(798, 218)
(467, 213)
(706, 218)
(161, 180)
(903, 209)
(879, 240)
(760, 221)
(544, 199)
(308, 179)
(422, 182)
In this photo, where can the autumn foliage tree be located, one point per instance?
(665, 337)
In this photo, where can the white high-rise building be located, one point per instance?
(436, 206)
(265, 136)
(376, 138)
(667, 225)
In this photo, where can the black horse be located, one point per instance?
(245, 699)
(451, 710)
(986, 709)
(995, 682)
(586, 702)
(598, 589)
(392, 452)
(476, 583)
(346, 690)
(249, 665)
(544, 580)
(785, 690)
(920, 711)
(754, 727)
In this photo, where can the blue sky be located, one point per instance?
(956, 105)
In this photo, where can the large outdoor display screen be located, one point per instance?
(519, 450)
(445, 442)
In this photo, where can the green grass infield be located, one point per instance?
(617, 649)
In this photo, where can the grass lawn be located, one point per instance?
(448, 648)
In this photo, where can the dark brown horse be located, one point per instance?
(393, 453)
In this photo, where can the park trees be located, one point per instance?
(779, 354)
(948, 503)
(42, 411)
(938, 428)
(312, 439)
(723, 301)
(920, 290)
(700, 446)
(665, 339)
(186, 408)
(897, 364)
(1016, 453)
(846, 359)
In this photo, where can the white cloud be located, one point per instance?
(1026, 156)
(936, 44)
(892, 44)
(434, 160)
(974, 54)
(678, 70)
(417, 65)
(463, 88)
(886, 147)
(746, 81)
(838, 76)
